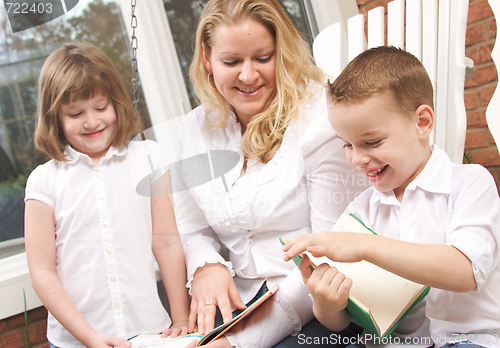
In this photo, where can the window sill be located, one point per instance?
(14, 277)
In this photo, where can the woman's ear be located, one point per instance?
(424, 118)
(206, 60)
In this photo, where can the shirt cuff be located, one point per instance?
(199, 251)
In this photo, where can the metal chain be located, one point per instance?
(134, 45)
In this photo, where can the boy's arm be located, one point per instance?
(437, 265)
(41, 255)
(168, 252)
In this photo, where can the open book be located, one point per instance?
(155, 340)
(378, 300)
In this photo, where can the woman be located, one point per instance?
(263, 99)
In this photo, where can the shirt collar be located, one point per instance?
(72, 155)
(435, 178)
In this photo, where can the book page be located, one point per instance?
(156, 341)
(387, 295)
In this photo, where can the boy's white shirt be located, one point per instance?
(103, 239)
(449, 204)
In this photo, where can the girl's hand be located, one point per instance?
(100, 340)
(212, 286)
(179, 328)
(337, 246)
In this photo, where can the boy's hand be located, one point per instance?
(330, 291)
(179, 328)
(328, 287)
(338, 246)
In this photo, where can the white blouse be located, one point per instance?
(303, 189)
(103, 239)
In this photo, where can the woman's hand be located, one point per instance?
(212, 286)
(180, 328)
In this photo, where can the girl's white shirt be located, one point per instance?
(103, 239)
(303, 189)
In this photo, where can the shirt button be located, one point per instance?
(404, 229)
(117, 305)
(432, 314)
(98, 176)
(105, 225)
(113, 279)
(109, 251)
(101, 199)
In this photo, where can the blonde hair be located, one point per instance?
(294, 70)
(383, 69)
(79, 72)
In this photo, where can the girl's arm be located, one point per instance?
(437, 265)
(41, 255)
(167, 249)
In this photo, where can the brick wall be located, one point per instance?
(13, 332)
(480, 39)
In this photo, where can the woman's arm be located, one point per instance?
(41, 255)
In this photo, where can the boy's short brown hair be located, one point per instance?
(383, 69)
(74, 72)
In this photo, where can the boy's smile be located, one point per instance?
(381, 141)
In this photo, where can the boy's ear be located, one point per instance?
(424, 118)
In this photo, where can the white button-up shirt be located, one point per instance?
(103, 239)
(303, 189)
(456, 205)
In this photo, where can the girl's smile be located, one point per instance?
(89, 125)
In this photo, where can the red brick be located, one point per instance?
(38, 332)
(479, 10)
(38, 313)
(474, 34)
(476, 119)
(483, 75)
(12, 339)
(476, 139)
(490, 138)
(492, 28)
(481, 54)
(487, 157)
(3, 326)
(16, 321)
(470, 100)
(43, 345)
(485, 95)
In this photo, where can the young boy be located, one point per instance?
(437, 222)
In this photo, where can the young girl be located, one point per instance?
(88, 233)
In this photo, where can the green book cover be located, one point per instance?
(373, 303)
